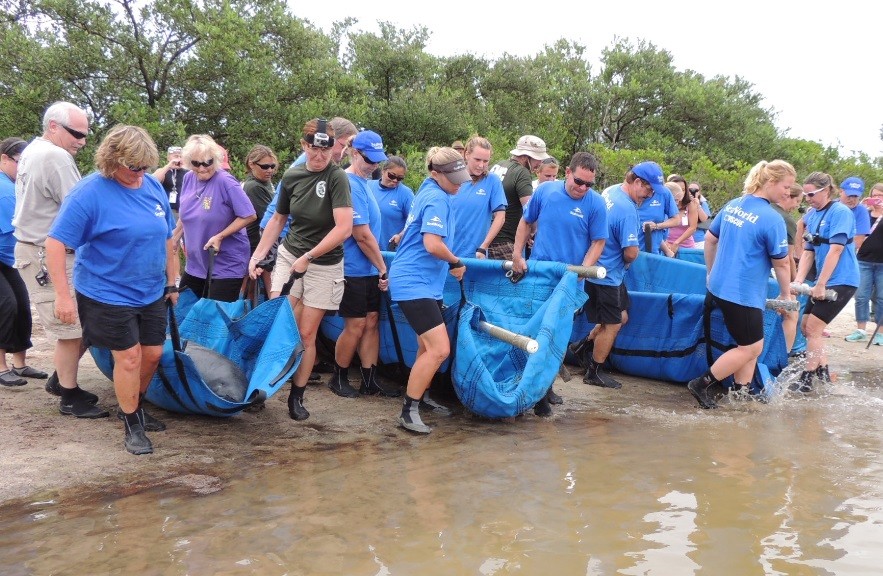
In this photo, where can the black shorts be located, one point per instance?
(222, 289)
(422, 314)
(827, 310)
(745, 324)
(361, 295)
(121, 327)
(606, 303)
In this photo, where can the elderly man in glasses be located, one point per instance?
(46, 173)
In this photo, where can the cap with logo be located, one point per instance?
(370, 144)
(853, 186)
(651, 173)
(454, 171)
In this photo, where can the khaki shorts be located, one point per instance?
(321, 287)
(28, 259)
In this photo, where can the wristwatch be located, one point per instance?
(309, 257)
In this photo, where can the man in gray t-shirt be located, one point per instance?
(46, 173)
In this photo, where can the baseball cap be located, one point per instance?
(532, 146)
(370, 144)
(853, 186)
(454, 171)
(651, 172)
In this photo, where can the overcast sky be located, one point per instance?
(817, 65)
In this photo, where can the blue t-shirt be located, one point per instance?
(836, 223)
(474, 206)
(414, 272)
(565, 227)
(656, 208)
(271, 207)
(622, 232)
(750, 234)
(862, 219)
(120, 235)
(395, 205)
(7, 209)
(365, 212)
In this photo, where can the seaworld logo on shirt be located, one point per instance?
(435, 221)
(480, 192)
(320, 189)
(159, 212)
(393, 203)
(737, 216)
(632, 237)
(655, 202)
(577, 212)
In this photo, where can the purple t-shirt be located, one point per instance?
(206, 208)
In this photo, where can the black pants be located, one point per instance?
(15, 311)
(222, 289)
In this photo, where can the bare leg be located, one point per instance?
(67, 359)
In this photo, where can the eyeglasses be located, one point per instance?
(206, 164)
(75, 133)
(814, 192)
(395, 177)
(581, 182)
(265, 166)
(368, 160)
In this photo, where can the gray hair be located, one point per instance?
(60, 112)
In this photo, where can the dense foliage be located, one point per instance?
(250, 71)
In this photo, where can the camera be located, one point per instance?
(813, 239)
(322, 140)
(42, 277)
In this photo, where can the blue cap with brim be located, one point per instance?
(370, 144)
(651, 173)
(853, 186)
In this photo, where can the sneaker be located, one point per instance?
(54, 387)
(10, 378)
(596, 377)
(701, 390)
(878, 339)
(413, 425)
(296, 410)
(858, 336)
(430, 405)
(341, 386)
(151, 424)
(28, 372)
(82, 408)
(137, 441)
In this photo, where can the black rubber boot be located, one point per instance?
(136, 441)
(296, 410)
(705, 389)
(823, 375)
(410, 417)
(543, 408)
(370, 385)
(583, 351)
(553, 398)
(804, 383)
(596, 377)
(340, 384)
(53, 387)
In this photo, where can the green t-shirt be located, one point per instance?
(517, 184)
(790, 224)
(310, 198)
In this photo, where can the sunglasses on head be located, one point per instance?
(581, 182)
(395, 177)
(75, 133)
(206, 164)
(265, 166)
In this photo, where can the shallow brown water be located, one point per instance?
(794, 487)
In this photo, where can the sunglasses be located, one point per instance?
(366, 159)
(265, 166)
(206, 164)
(395, 177)
(814, 192)
(137, 168)
(581, 182)
(75, 133)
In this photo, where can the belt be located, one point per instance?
(66, 249)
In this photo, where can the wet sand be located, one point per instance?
(45, 455)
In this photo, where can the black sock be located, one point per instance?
(70, 395)
(132, 419)
(297, 392)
